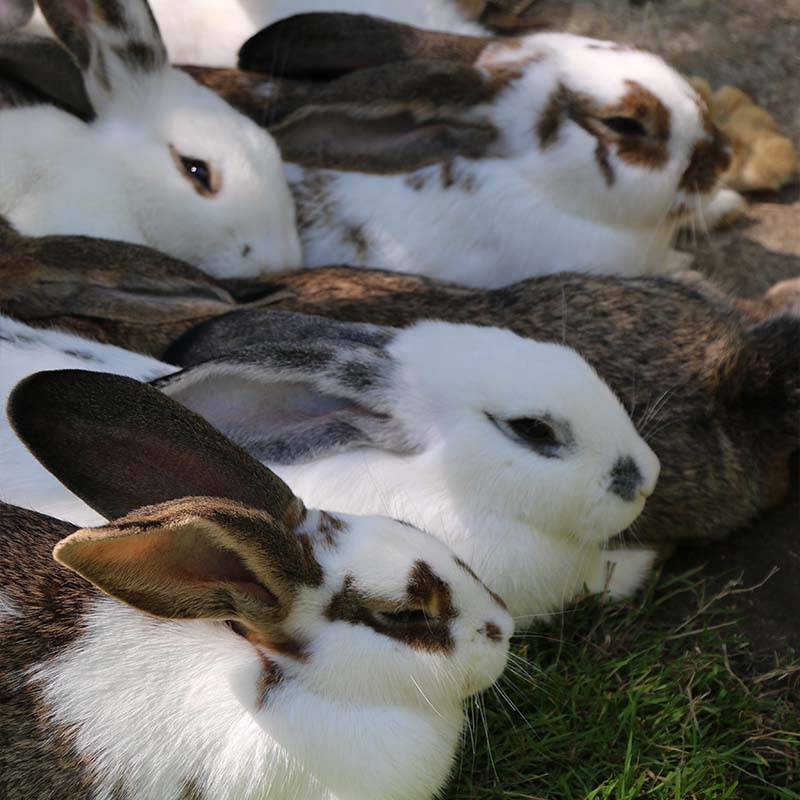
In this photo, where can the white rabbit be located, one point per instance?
(474, 159)
(210, 32)
(164, 163)
(234, 645)
(512, 451)
(23, 351)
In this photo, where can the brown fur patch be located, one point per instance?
(139, 56)
(330, 526)
(638, 103)
(351, 605)
(38, 758)
(709, 159)
(355, 237)
(493, 632)
(641, 104)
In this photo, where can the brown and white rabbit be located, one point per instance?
(222, 642)
(712, 384)
(476, 159)
(162, 160)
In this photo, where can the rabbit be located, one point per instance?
(222, 641)
(476, 159)
(712, 382)
(210, 32)
(511, 451)
(415, 425)
(164, 162)
(23, 351)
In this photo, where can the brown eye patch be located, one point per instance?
(421, 622)
(204, 178)
(642, 123)
(638, 126)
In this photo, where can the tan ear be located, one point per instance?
(321, 46)
(197, 558)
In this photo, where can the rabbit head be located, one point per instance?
(202, 182)
(320, 629)
(470, 433)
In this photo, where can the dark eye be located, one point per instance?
(530, 431)
(410, 617)
(625, 126)
(198, 171)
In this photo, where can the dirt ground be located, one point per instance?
(755, 45)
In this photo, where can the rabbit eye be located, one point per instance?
(532, 432)
(200, 173)
(410, 617)
(625, 126)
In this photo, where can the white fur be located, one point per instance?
(158, 704)
(533, 528)
(116, 178)
(23, 351)
(529, 211)
(212, 31)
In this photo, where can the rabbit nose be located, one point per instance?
(627, 480)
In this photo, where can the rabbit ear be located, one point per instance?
(120, 445)
(288, 387)
(393, 118)
(14, 14)
(114, 42)
(197, 558)
(40, 65)
(321, 46)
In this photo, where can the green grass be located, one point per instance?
(659, 698)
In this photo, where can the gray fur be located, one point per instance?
(288, 387)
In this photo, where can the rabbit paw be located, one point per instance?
(621, 572)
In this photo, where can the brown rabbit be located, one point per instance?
(716, 395)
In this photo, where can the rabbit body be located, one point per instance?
(165, 163)
(234, 651)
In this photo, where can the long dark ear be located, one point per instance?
(114, 42)
(14, 14)
(322, 46)
(393, 118)
(120, 445)
(291, 388)
(197, 558)
(36, 69)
